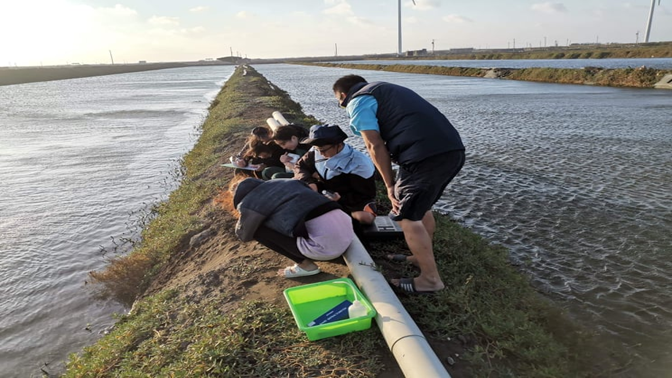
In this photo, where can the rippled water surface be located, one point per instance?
(575, 180)
(659, 63)
(77, 157)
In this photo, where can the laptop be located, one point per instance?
(383, 228)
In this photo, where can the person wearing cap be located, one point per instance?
(298, 223)
(346, 174)
(398, 126)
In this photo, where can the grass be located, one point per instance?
(512, 330)
(643, 50)
(167, 336)
(499, 324)
(642, 77)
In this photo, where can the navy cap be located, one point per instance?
(321, 135)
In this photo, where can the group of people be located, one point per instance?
(312, 187)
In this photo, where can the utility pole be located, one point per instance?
(544, 41)
(432, 47)
(231, 48)
(336, 49)
(514, 43)
(637, 37)
(111, 58)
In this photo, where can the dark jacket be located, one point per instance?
(412, 128)
(281, 205)
(355, 191)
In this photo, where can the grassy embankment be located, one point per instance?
(489, 313)
(622, 77)
(20, 75)
(613, 51)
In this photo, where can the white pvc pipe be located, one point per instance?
(273, 124)
(407, 343)
(280, 118)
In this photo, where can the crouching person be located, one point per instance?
(334, 166)
(290, 218)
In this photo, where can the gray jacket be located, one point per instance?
(281, 205)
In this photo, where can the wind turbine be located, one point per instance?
(648, 23)
(399, 26)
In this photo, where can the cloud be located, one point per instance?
(424, 4)
(339, 7)
(455, 19)
(164, 21)
(118, 10)
(411, 20)
(199, 8)
(360, 21)
(549, 8)
(244, 15)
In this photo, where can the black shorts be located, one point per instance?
(419, 185)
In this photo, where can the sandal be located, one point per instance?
(407, 286)
(296, 271)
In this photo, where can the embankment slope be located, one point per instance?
(208, 305)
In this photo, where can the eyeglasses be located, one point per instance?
(324, 149)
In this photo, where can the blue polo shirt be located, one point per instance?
(362, 111)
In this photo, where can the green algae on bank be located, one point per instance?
(489, 322)
(642, 77)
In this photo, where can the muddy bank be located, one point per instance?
(642, 77)
(206, 304)
(20, 75)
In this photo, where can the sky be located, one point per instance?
(54, 32)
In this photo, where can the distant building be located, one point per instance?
(416, 52)
(142, 62)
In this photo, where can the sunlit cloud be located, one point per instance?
(360, 21)
(455, 19)
(200, 8)
(424, 4)
(339, 7)
(118, 10)
(549, 8)
(164, 21)
(244, 15)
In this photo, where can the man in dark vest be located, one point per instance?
(398, 126)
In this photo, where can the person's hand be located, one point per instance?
(260, 167)
(393, 200)
(240, 162)
(284, 158)
(313, 186)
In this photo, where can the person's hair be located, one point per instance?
(261, 131)
(346, 82)
(288, 131)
